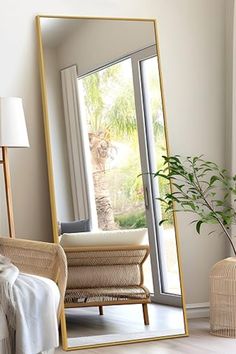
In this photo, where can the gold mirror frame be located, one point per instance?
(52, 184)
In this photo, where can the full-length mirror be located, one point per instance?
(106, 134)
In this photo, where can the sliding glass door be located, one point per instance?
(121, 109)
(153, 147)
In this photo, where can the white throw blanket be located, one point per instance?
(28, 312)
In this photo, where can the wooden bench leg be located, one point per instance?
(100, 310)
(145, 314)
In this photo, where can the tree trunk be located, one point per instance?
(103, 203)
(100, 148)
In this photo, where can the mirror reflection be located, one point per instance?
(107, 133)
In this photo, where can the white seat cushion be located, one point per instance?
(105, 238)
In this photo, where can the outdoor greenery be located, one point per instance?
(109, 107)
(111, 116)
(200, 187)
(134, 220)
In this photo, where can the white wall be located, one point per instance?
(230, 116)
(97, 43)
(192, 38)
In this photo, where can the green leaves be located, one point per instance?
(201, 187)
(198, 226)
(162, 221)
(213, 179)
(191, 178)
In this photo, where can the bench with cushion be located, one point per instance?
(106, 268)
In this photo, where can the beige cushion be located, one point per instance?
(118, 275)
(105, 238)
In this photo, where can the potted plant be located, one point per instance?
(201, 187)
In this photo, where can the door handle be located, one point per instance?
(146, 198)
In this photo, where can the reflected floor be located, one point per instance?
(119, 323)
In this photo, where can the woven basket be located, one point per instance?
(223, 298)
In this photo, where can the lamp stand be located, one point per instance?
(7, 178)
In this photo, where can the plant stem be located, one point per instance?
(227, 234)
(215, 215)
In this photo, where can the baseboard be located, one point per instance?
(197, 310)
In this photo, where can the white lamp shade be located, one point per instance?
(13, 131)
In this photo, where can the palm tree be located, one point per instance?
(111, 116)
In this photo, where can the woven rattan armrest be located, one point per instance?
(38, 258)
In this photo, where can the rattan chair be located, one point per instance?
(104, 276)
(38, 258)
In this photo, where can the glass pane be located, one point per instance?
(157, 142)
(108, 108)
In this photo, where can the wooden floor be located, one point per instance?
(199, 342)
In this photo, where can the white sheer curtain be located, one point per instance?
(78, 149)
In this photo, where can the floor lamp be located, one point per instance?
(13, 133)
